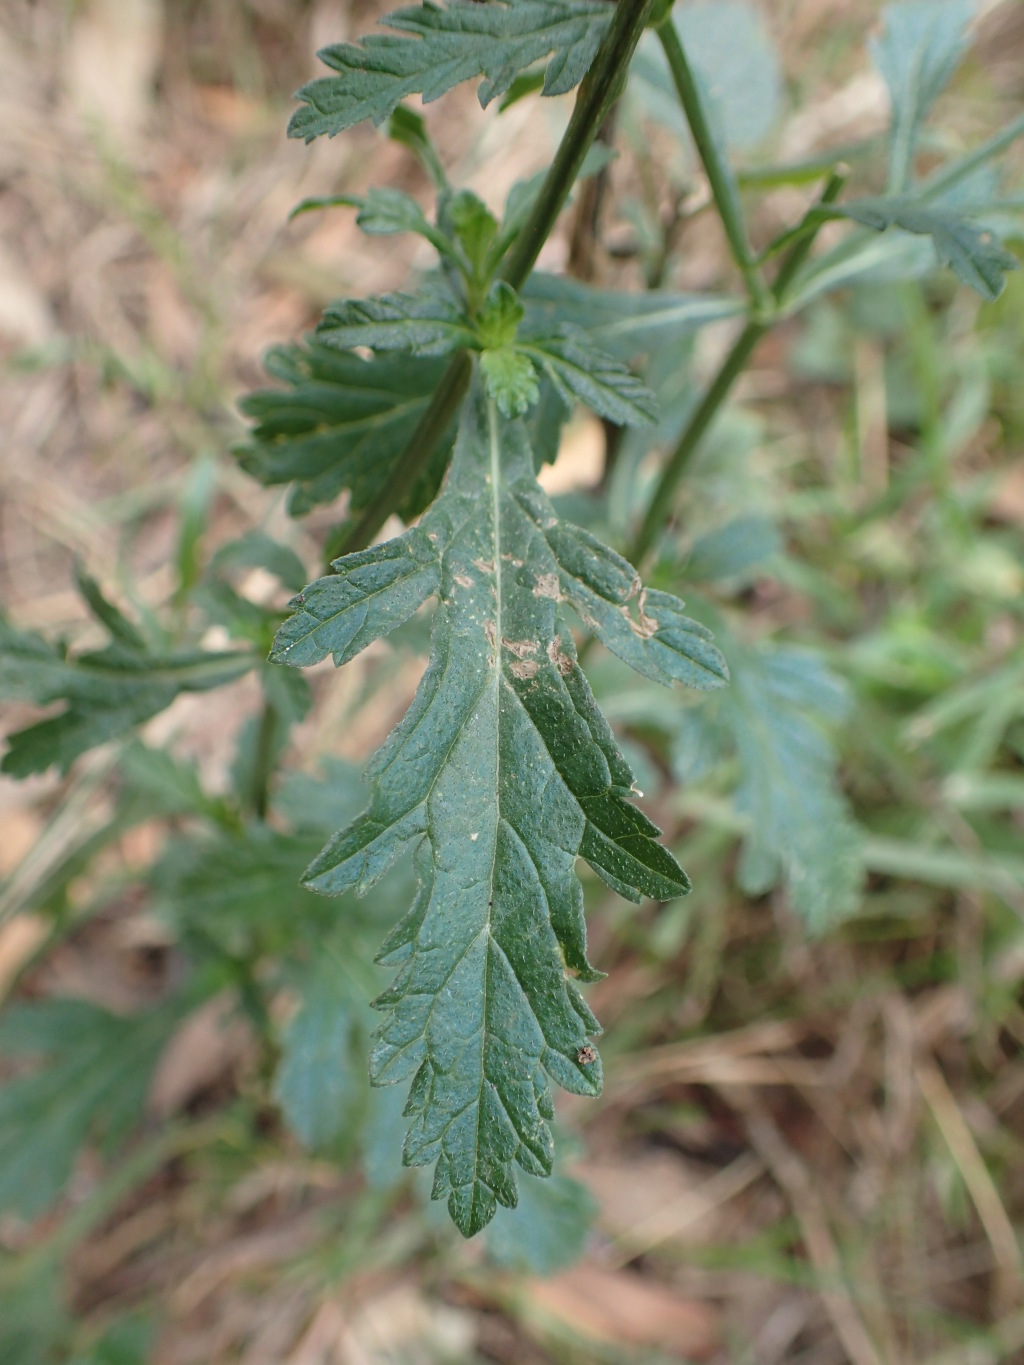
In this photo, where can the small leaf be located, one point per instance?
(410, 129)
(257, 550)
(107, 692)
(548, 1228)
(580, 370)
(510, 380)
(316, 1085)
(499, 317)
(435, 48)
(502, 773)
(969, 251)
(475, 227)
(428, 323)
(921, 45)
(91, 1082)
(800, 827)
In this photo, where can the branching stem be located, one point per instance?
(719, 176)
(596, 95)
(660, 508)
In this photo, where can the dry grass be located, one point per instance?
(807, 1152)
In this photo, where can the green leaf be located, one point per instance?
(92, 1084)
(499, 317)
(510, 380)
(502, 773)
(475, 227)
(645, 628)
(340, 422)
(120, 628)
(239, 888)
(920, 47)
(799, 826)
(969, 251)
(580, 370)
(548, 1228)
(435, 48)
(623, 324)
(427, 323)
(732, 551)
(728, 44)
(372, 592)
(317, 1085)
(107, 692)
(410, 129)
(257, 550)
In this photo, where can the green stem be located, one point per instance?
(719, 174)
(948, 176)
(429, 430)
(660, 508)
(795, 257)
(263, 763)
(597, 93)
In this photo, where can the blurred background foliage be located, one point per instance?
(811, 1145)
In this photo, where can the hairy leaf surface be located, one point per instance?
(502, 773)
(581, 371)
(433, 48)
(427, 323)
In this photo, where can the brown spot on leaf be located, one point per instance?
(560, 659)
(491, 631)
(520, 648)
(586, 1055)
(643, 625)
(484, 565)
(516, 563)
(547, 586)
(527, 668)
(463, 580)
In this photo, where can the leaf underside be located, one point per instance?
(433, 48)
(502, 773)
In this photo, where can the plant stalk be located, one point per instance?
(263, 763)
(660, 508)
(719, 174)
(597, 94)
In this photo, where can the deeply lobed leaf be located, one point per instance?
(340, 422)
(434, 48)
(106, 692)
(502, 773)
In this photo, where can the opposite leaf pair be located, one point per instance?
(503, 772)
